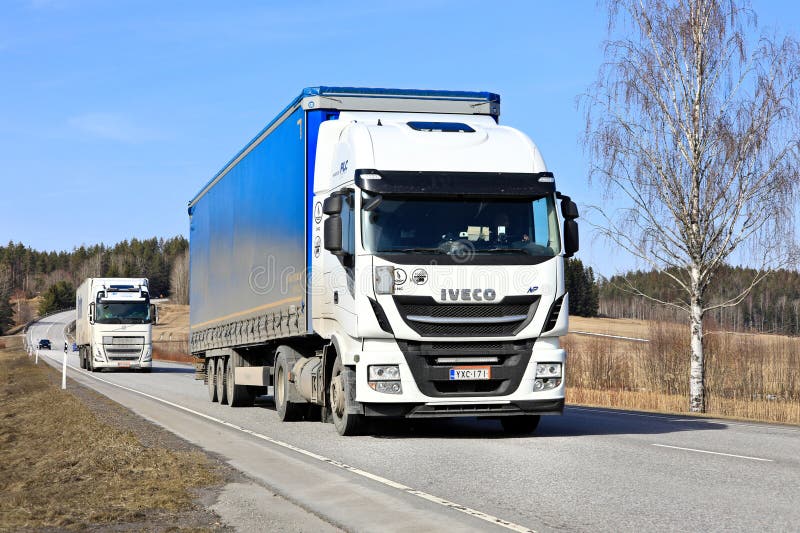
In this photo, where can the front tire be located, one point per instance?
(520, 425)
(346, 424)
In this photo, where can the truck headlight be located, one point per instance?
(98, 354)
(148, 354)
(548, 370)
(384, 280)
(384, 372)
(385, 379)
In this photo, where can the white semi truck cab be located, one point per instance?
(114, 324)
(428, 280)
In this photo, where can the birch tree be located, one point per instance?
(692, 127)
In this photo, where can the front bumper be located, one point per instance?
(123, 364)
(426, 393)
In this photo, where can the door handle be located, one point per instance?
(336, 297)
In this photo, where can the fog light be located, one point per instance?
(548, 370)
(540, 384)
(387, 387)
(384, 372)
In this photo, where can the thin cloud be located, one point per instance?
(113, 127)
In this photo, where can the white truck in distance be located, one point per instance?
(384, 253)
(114, 324)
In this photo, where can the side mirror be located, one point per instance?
(569, 210)
(154, 314)
(91, 312)
(333, 232)
(332, 205)
(571, 241)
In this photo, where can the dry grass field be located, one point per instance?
(64, 467)
(747, 376)
(171, 334)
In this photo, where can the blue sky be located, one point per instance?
(147, 100)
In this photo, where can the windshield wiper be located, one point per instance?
(504, 251)
(419, 250)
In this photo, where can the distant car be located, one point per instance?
(44, 344)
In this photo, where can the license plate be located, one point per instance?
(123, 363)
(470, 373)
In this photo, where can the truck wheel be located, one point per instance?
(211, 378)
(346, 423)
(287, 411)
(520, 425)
(222, 394)
(81, 359)
(238, 395)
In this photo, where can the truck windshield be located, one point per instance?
(123, 312)
(461, 226)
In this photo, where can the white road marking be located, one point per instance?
(363, 473)
(634, 339)
(714, 453)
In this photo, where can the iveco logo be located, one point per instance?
(469, 295)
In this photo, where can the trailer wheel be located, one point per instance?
(81, 359)
(222, 393)
(520, 425)
(211, 378)
(238, 395)
(287, 411)
(346, 423)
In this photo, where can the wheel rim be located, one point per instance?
(337, 396)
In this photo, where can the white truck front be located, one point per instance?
(438, 239)
(114, 324)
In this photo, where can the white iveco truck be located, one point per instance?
(113, 327)
(384, 253)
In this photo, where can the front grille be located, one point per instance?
(123, 353)
(123, 340)
(437, 310)
(430, 318)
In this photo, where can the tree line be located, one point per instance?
(26, 273)
(772, 306)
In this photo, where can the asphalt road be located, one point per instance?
(591, 469)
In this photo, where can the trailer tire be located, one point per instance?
(238, 395)
(521, 424)
(222, 393)
(287, 411)
(346, 423)
(81, 358)
(211, 378)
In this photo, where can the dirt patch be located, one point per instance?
(76, 460)
(173, 323)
